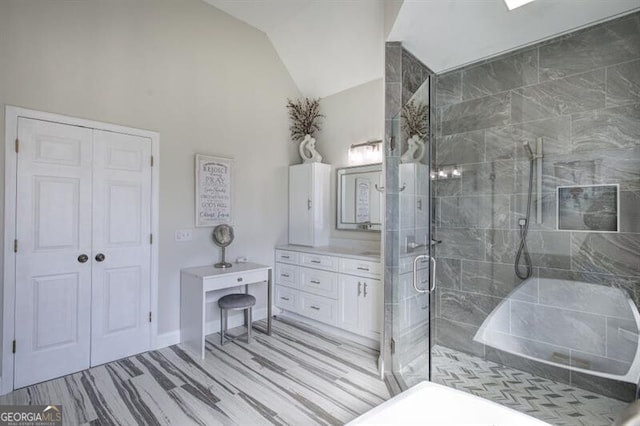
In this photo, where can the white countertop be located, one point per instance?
(210, 270)
(354, 253)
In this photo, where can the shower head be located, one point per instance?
(529, 151)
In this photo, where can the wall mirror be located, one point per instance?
(359, 198)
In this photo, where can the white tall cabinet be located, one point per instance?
(309, 204)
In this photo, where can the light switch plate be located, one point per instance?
(184, 235)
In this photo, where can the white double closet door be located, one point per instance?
(83, 260)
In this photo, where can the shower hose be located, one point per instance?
(524, 228)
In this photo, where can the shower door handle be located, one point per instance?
(432, 272)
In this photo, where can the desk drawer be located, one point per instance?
(287, 256)
(319, 282)
(286, 275)
(287, 298)
(363, 268)
(328, 263)
(319, 308)
(240, 278)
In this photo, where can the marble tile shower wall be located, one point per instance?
(581, 93)
(404, 76)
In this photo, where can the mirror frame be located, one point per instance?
(341, 226)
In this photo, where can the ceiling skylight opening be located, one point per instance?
(512, 4)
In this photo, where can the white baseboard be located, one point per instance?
(235, 320)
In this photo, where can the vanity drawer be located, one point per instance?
(287, 256)
(319, 282)
(363, 268)
(287, 298)
(287, 275)
(319, 261)
(319, 308)
(241, 278)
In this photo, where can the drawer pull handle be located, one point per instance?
(365, 289)
(284, 298)
(360, 268)
(239, 279)
(314, 282)
(284, 275)
(359, 288)
(315, 308)
(285, 256)
(315, 261)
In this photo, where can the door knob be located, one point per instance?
(99, 257)
(83, 258)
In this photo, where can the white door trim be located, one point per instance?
(10, 182)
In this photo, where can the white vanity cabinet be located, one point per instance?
(309, 205)
(344, 292)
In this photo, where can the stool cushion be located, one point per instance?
(236, 301)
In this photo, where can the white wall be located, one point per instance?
(205, 81)
(352, 116)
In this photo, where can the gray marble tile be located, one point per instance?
(466, 308)
(476, 212)
(555, 326)
(571, 170)
(610, 128)
(519, 208)
(448, 187)
(460, 148)
(393, 99)
(413, 75)
(501, 245)
(496, 177)
(623, 84)
(393, 63)
(458, 336)
(501, 142)
(549, 249)
(493, 279)
(461, 243)
(578, 93)
(630, 211)
(498, 75)
(556, 134)
(613, 388)
(620, 166)
(449, 88)
(448, 273)
(602, 45)
(476, 114)
(608, 253)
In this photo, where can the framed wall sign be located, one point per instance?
(589, 208)
(214, 190)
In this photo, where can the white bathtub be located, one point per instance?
(434, 404)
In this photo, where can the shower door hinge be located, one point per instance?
(149, 316)
(14, 347)
(15, 246)
(17, 146)
(393, 346)
(150, 238)
(152, 161)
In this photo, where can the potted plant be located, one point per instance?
(305, 122)
(414, 124)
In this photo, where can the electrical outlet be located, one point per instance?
(184, 235)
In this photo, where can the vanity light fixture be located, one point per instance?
(456, 172)
(512, 4)
(369, 152)
(442, 174)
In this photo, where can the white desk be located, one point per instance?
(196, 282)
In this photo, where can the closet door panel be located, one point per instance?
(121, 246)
(53, 232)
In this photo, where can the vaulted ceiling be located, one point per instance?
(332, 45)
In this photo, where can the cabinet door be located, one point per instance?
(350, 293)
(370, 307)
(300, 213)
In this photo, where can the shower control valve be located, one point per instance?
(522, 222)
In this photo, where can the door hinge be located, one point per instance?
(152, 161)
(17, 146)
(150, 238)
(15, 246)
(393, 346)
(14, 346)
(149, 316)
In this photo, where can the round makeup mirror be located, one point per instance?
(223, 236)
